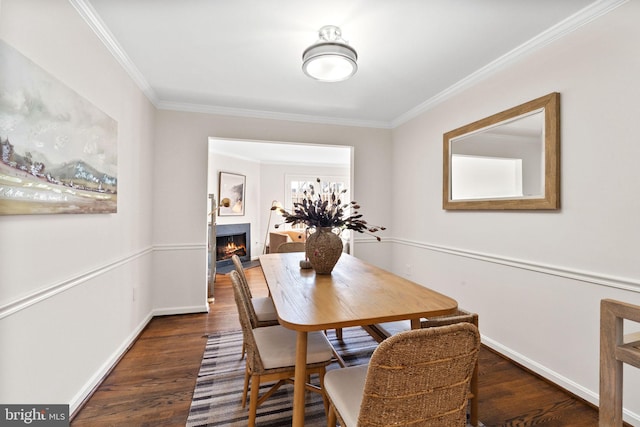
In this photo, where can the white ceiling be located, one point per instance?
(243, 57)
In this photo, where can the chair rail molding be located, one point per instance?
(180, 247)
(623, 283)
(51, 290)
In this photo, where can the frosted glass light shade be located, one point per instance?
(330, 59)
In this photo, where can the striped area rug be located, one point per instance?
(218, 391)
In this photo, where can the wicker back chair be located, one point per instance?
(243, 277)
(461, 316)
(261, 310)
(382, 331)
(271, 354)
(419, 377)
(291, 247)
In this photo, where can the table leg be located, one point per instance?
(300, 379)
(415, 323)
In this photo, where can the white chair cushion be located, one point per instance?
(345, 387)
(277, 346)
(392, 328)
(264, 308)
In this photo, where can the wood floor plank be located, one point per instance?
(153, 383)
(510, 396)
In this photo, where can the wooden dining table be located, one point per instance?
(356, 293)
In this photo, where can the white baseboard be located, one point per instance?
(104, 370)
(106, 367)
(561, 381)
(168, 311)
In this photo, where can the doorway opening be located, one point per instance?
(267, 167)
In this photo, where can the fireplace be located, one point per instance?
(232, 239)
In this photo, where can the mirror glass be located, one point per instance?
(506, 161)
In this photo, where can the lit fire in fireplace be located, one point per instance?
(232, 239)
(229, 249)
(232, 249)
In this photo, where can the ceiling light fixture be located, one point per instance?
(330, 59)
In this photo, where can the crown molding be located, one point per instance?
(271, 115)
(89, 14)
(554, 33)
(91, 17)
(572, 23)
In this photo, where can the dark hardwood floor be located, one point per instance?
(153, 383)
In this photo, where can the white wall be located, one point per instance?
(68, 282)
(536, 278)
(180, 199)
(83, 292)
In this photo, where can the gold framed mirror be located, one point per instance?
(510, 160)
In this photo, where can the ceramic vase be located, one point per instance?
(323, 249)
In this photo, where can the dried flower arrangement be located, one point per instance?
(313, 211)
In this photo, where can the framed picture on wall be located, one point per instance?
(58, 151)
(231, 194)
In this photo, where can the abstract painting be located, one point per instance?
(231, 194)
(58, 151)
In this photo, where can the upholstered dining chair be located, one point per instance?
(271, 354)
(418, 377)
(262, 312)
(290, 247)
(382, 331)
